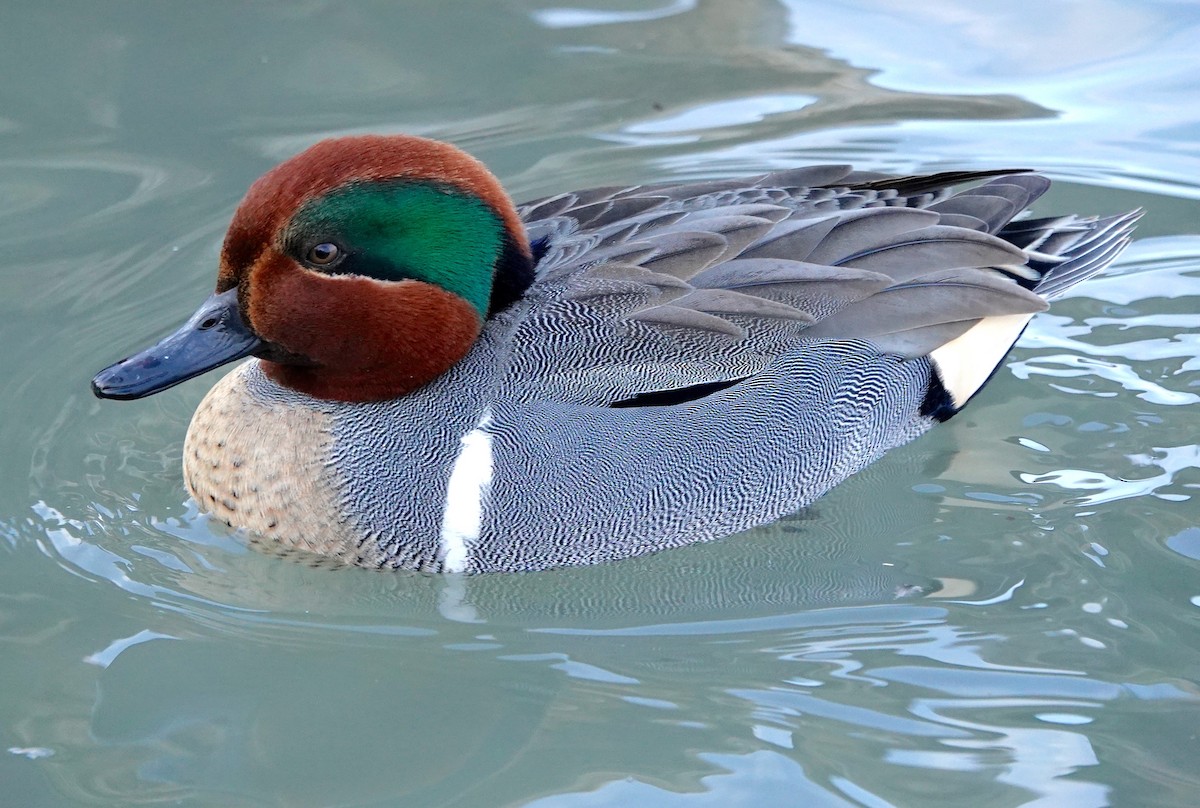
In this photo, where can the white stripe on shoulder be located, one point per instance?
(470, 480)
(965, 362)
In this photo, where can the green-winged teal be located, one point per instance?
(447, 382)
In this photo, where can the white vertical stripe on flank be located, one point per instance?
(469, 482)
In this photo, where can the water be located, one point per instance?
(1003, 613)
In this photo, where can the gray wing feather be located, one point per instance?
(680, 317)
(1089, 253)
(763, 276)
(759, 210)
(993, 211)
(682, 253)
(864, 230)
(738, 231)
(664, 286)
(930, 248)
(793, 239)
(606, 211)
(639, 275)
(914, 342)
(727, 301)
(943, 297)
(962, 220)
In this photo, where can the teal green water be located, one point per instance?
(1006, 612)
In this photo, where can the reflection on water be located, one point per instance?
(1001, 613)
(581, 17)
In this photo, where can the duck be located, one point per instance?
(438, 379)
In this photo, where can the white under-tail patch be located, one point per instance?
(470, 480)
(965, 362)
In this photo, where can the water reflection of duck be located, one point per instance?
(447, 382)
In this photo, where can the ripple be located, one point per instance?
(83, 191)
(713, 115)
(586, 17)
(1171, 460)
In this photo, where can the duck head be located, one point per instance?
(358, 270)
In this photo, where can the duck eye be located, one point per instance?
(324, 254)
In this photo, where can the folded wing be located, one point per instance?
(665, 292)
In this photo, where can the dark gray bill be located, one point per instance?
(215, 334)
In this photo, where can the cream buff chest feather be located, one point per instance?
(445, 381)
(265, 467)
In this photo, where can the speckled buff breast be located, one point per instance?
(443, 381)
